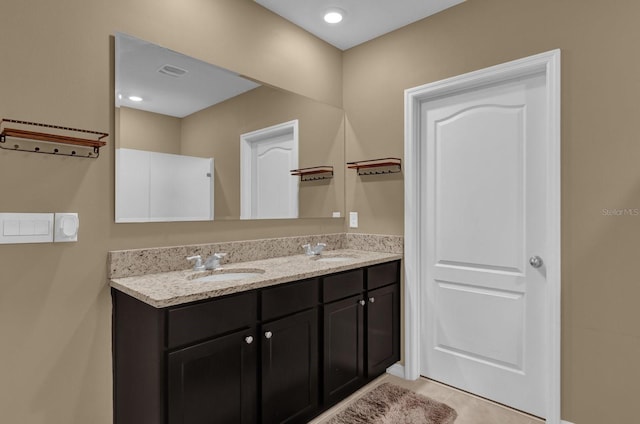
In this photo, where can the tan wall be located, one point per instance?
(55, 308)
(215, 132)
(149, 131)
(600, 163)
(54, 299)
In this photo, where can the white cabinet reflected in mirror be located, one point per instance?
(158, 187)
(176, 116)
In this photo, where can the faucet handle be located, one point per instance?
(319, 247)
(197, 266)
(307, 249)
(213, 261)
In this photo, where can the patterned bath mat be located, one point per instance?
(390, 404)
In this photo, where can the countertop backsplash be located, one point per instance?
(135, 262)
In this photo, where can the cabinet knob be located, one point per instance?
(248, 339)
(372, 299)
(362, 302)
(268, 334)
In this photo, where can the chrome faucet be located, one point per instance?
(197, 266)
(315, 250)
(213, 261)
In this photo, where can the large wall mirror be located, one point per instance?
(197, 142)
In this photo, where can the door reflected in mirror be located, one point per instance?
(266, 158)
(175, 113)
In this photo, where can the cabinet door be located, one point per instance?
(343, 348)
(290, 368)
(383, 329)
(214, 381)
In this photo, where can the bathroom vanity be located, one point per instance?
(280, 346)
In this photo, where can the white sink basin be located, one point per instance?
(333, 258)
(225, 276)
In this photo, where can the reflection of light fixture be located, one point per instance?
(172, 71)
(333, 16)
(135, 98)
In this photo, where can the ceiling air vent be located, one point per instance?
(172, 71)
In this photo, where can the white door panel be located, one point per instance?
(485, 173)
(481, 333)
(273, 160)
(483, 317)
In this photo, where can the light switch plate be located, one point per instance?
(17, 228)
(66, 227)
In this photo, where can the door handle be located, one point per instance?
(535, 261)
(362, 302)
(248, 339)
(268, 334)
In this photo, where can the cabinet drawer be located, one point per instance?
(383, 274)
(342, 285)
(191, 323)
(289, 298)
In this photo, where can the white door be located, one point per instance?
(267, 188)
(483, 308)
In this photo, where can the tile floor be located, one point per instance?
(470, 409)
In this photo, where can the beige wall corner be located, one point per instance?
(599, 162)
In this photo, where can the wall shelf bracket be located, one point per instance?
(377, 166)
(57, 140)
(313, 173)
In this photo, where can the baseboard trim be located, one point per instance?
(398, 371)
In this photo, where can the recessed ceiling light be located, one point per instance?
(333, 16)
(135, 98)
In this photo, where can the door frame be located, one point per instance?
(250, 139)
(549, 64)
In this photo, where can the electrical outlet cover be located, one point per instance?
(66, 227)
(353, 219)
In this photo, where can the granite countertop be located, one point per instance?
(177, 287)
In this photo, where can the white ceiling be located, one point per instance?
(363, 20)
(138, 61)
(203, 85)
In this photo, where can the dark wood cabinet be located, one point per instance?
(281, 354)
(343, 348)
(383, 329)
(138, 361)
(185, 364)
(290, 368)
(361, 336)
(214, 381)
